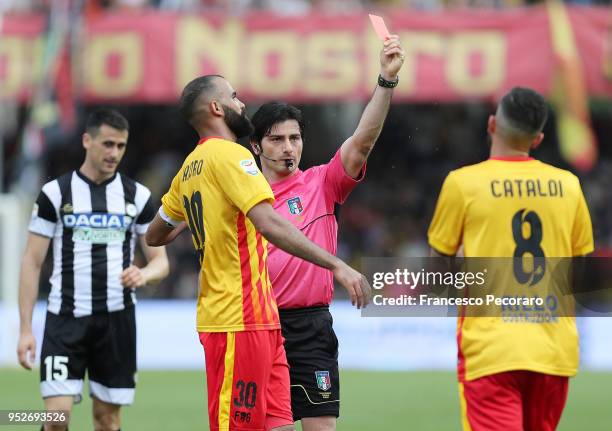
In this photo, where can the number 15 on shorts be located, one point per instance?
(56, 368)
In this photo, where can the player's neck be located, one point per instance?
(501, 150)
(93, 174)
(219, 129)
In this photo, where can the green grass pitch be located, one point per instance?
(371, 401)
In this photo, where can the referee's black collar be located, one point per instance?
(94, 184)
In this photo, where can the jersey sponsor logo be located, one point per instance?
(97, 220)
(249, 167)
(295, 205)
(98, 236)
(323, 380)
(97, 228)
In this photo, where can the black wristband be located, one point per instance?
(387, 84)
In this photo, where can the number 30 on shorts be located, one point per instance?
(247, 394)
(56, 367)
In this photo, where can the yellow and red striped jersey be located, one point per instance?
(213, 191)
(491, 209)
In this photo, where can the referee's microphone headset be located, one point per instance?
(288, 163)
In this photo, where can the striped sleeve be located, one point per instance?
(45, 213)
(146, 210)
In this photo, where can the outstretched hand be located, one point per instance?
(355, 284)
(391, 58)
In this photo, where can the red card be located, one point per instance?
(379, 27)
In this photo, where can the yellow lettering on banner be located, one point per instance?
(129, 50)
(491, 46)
(197, 41)
(416, 44)
(13, 51)
(332, 64)
(38, 58)
(265, 45)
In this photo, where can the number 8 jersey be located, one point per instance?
(213, 191)
(513, 207)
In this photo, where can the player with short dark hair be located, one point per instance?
(93, 216)
(109, 117)
(226, 202)
(513, 373)
(308, 199)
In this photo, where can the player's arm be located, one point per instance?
(155, 270)
(356, 149)
(33, 258)
(168, 223)
(287, 237)
(161, 232)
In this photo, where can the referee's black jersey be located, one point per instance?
(94, 229)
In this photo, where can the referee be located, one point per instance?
(308, 199)
(93, 215)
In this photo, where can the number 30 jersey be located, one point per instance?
(513, 207)
(213, 191)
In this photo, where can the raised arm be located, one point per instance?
(287, 237)
(33, 258)
(356, 149)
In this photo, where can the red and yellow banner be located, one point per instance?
(451, 56)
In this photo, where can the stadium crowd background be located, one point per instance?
(387, 215)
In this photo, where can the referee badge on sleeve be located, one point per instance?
(323, 380)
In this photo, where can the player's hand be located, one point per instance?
(26, 350)
(391, 58)
(133, 277)
(355, 284)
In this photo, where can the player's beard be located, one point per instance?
(239, 124)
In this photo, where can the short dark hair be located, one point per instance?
(524, 110)
(110, 117)
(191, 92)
(272, 113)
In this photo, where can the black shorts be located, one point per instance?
(312, 353)
(104, 345)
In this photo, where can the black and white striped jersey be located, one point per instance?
(94, 229)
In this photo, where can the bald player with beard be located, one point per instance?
(227, 204)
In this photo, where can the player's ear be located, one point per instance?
(216, 108)
(491, 125)
(86, 140)
(537, 141)
(256, 147)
